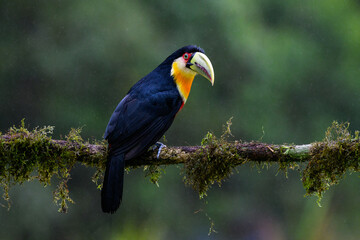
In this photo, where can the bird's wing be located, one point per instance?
(138, 123)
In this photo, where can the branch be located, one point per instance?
(26, 155)
(89, 154)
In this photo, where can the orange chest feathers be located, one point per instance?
(183, 79)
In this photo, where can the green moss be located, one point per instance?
(331, 159)
(27, 155)
(284, 162)
(74, 135)
(61, 195)
(215, 162)
(153, 172)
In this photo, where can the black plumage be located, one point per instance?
(138, 122)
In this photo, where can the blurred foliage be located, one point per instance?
(288, 67)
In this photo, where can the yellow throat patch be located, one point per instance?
(183, 78)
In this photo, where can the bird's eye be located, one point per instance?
(186, 56)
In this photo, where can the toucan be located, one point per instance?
(146, 112)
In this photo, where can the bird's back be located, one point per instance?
(144, 114)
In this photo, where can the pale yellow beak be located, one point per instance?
(201, 64)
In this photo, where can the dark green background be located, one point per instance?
(284, 70)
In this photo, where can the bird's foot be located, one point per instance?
(158, 145)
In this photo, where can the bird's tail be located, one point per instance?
(112, 190)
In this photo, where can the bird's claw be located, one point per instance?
(160, 146)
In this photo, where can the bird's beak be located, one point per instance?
(201, 64)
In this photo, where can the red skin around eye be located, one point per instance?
(189, 56)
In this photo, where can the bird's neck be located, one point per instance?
(183, 79)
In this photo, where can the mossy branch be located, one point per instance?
(26, 155)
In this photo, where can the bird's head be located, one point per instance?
(185, 64)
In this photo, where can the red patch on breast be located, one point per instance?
(182, 105)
